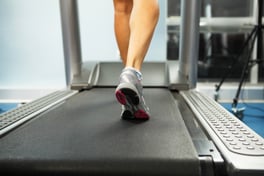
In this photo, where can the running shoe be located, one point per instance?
(129, 93)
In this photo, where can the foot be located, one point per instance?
(129, 93)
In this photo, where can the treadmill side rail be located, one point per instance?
(241, 147)
(18, 116)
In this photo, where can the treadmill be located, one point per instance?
(79, 131)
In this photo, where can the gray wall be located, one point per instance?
(31, 52)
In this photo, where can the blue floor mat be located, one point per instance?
(7, 106)
(253, 115)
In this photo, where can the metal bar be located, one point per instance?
(259, 39)
(71, 38)
(254, 69)
(189, 40)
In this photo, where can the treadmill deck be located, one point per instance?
(86, 135)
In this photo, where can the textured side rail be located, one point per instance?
(234, 134)
(13, 118)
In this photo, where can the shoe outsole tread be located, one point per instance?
(127, 96)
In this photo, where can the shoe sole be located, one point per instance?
(127, 115)
(128, 96)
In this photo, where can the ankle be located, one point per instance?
(134, 70)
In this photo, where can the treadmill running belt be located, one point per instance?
(85, 135)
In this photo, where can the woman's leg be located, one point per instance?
(143, 19)
(135, 22)
(122, 10)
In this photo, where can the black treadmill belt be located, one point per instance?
(85, 135)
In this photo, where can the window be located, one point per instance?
(224, 27)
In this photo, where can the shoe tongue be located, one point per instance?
(139, 75)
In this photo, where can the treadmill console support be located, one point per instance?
(189, 40)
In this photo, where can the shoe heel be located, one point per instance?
(131, 95)
(120, 96)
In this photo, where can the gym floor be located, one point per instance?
(7, 106)
(253, 115)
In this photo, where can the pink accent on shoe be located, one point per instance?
(121, 98)
(140, 114)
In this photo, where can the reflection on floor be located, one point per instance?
(253, 114)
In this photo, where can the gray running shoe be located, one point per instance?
(129, 93)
